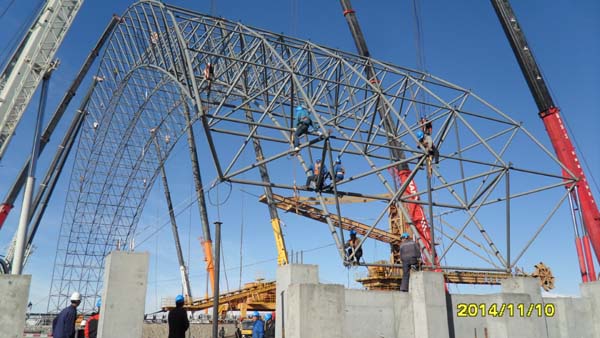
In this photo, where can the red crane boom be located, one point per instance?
(565, 152)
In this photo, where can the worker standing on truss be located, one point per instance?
(178, 319)
(316, 173)
(426, 143)
(353, 247)
(303, 122)
(410, 255)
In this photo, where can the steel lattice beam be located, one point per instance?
(153, 69)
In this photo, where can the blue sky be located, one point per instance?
(464, 44)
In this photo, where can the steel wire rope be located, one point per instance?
(264, 261)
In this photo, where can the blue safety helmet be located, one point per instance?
(299, 108)
(99, 303)
(352, 233)
(420, 134)
(255, 314)
(179, 299)
(338, 160)
(268, 316)
(405, 235)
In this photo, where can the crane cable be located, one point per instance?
(420, 55)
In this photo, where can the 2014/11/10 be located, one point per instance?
(500, 310)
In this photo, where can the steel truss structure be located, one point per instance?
(155, 88)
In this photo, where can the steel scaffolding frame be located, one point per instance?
(153, 70)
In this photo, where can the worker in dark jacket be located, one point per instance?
(63, 326)
(178, 319)
(303, 122)
(91, 327)
(410, 255)
(426, 143)
(316, 173)
(258, 330)
(269, 326)
(352, 247)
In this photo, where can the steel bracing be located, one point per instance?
(153, 68)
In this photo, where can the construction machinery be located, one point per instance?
(581, 200)
(30, 62)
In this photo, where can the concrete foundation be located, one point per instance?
(311, 309)
(124, 295)
(14, 296)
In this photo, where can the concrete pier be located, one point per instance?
(14, 296)
(124, 295)
(312, 309)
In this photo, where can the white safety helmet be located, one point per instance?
(83, 322)
(75, 296)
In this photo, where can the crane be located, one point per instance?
(580, 197)
(30, 62)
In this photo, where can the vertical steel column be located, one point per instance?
(430, 204)
(207, 242)
(215, 323)
(282, 258)
(184, 275)
(508, 218)
(17, 263)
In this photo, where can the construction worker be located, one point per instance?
(209, 72)
(258, 330)
(303, 122)
(338, 170)
(63, 326)
(269, 326)
(426, 125)
(222, 332)
(410, 255)
(426, 143)
(316, 173)
(352, 245)
(178, 319)
(91, 327)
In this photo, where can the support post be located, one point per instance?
(508, 219)
(17, 263)
(215, 324)
(430, 204)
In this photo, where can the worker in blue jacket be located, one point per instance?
(63, 326)
(303, 122)
(338, 170)
(258, 330)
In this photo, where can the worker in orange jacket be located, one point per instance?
(91, 327)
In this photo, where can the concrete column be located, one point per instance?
(526, 291)
(14, 296)
(287, 275)
(124, 295)
(591, 293)
(315, 310)
(427, 293)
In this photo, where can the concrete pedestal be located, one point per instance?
(428, 297)
(124, 295)
(14, 296)
(287, 275)
(591, 292)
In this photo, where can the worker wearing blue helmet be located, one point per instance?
(427, 145)
(410, 255)
(269, 326)
(303, 122)
(352, 247)
(178, 319)
(338, 170)
(258, 330)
